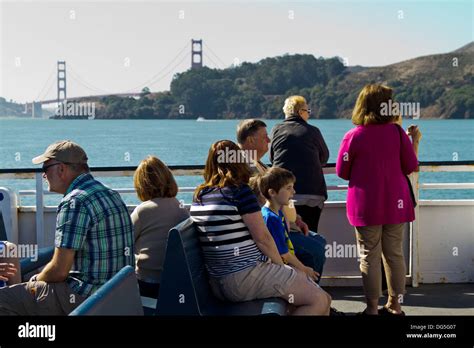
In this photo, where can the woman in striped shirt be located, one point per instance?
(240, 254)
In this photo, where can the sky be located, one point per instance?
(123, 46)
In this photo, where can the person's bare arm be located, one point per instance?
(57, 270)
(292, 260)
(415, 134)
(261, 236)
(302, 225)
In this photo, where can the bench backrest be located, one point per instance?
(118, 296)
(184, 287)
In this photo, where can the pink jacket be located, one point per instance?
(373, 161)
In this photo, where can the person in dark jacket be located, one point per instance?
(309, 246)
(300, 148)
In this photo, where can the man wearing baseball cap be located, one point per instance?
(93, 240)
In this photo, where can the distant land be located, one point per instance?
(443, 84)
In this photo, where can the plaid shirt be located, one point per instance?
(93, 220)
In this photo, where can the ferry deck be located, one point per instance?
(438, 245)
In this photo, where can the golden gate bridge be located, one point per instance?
(64, 73)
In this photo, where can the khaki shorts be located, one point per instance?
(264, 280)
(38, 298)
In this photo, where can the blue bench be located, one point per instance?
(185, 289)
(118, 296)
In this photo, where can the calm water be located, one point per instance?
(179, 142)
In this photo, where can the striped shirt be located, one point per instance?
(226, 242)
(94, 221)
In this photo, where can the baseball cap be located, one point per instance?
(63, 151)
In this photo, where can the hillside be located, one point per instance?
(443, 89)
(10, 108)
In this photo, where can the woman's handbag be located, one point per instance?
(412, 193)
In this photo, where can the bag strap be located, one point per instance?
(400, 130)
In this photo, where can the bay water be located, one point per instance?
(182, 142)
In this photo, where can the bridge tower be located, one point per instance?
(34, 109)
(61, 81)
(196, 54)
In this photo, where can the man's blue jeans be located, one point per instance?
(310, 250)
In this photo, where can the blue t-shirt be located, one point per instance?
(277, 226)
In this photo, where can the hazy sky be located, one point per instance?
(120, 46)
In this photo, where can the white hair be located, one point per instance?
(293, 105)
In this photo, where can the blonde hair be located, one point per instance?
(369, 103)
(293, 104)
(153, 179)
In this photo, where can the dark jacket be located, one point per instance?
(300, 147)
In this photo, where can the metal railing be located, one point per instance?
(194, 170)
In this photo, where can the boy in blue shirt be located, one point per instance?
(276, 185)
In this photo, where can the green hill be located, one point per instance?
(443, 84)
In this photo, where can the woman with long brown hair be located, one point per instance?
(240, 254)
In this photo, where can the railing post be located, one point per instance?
(414, 230)
(39, 210)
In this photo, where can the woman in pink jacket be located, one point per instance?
(375, 157)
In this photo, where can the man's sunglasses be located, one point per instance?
(308, 110)
(45, 168)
